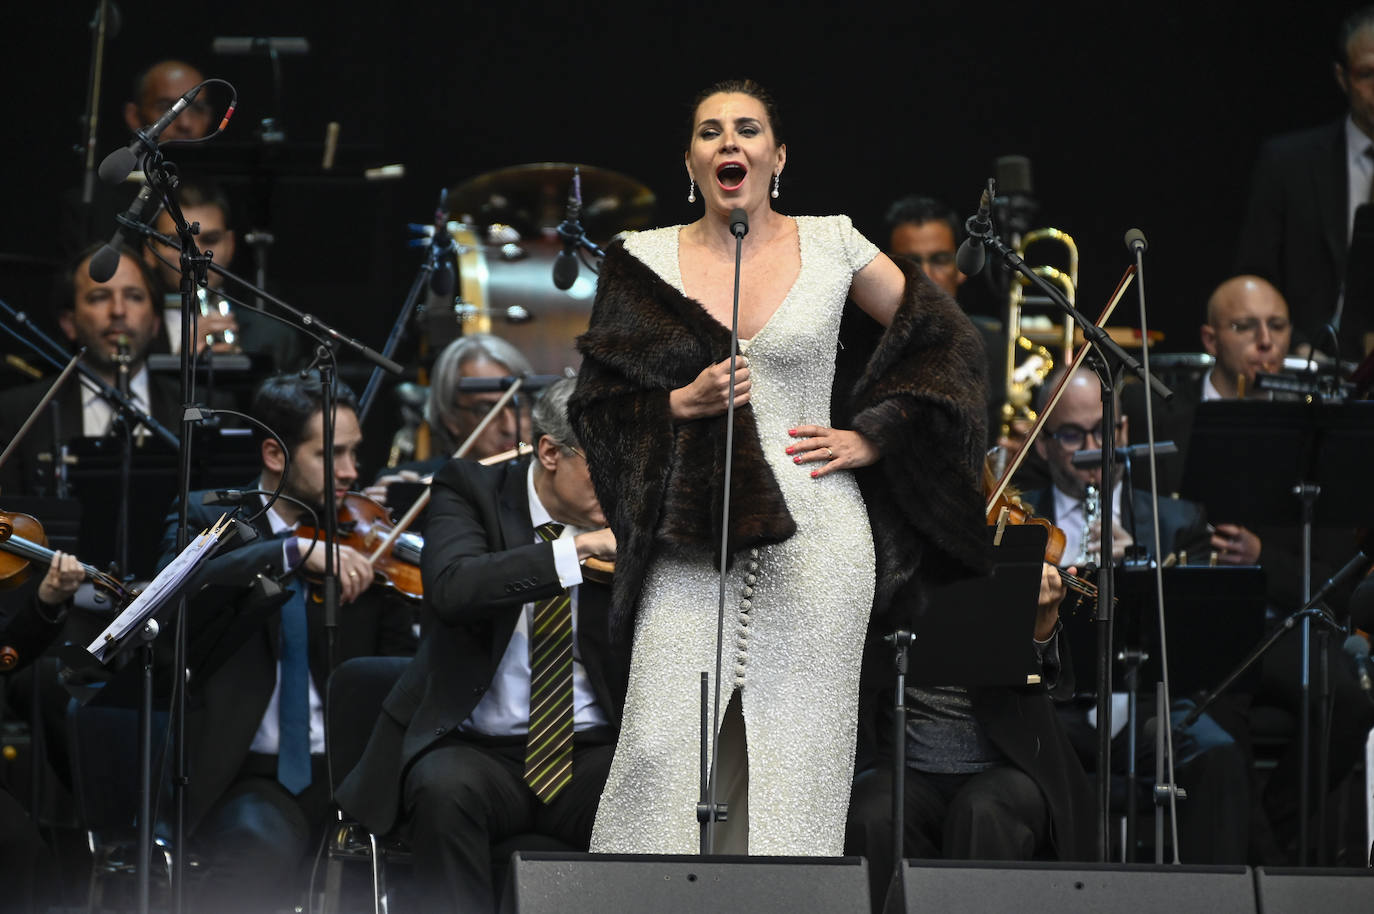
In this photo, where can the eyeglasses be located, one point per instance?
(479, 411)
(1074, 437)
(576, 450)
(1250, 326)
(940, 259)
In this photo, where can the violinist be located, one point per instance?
(259, 794)
(990, 773)
(1213, 823)
(453, 762)
(31, 621)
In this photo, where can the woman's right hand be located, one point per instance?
(709, 394)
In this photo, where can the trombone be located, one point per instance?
(1022, 378)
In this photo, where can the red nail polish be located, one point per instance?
(790, 449)
(813, 473)
(797, 459)
(791, 431)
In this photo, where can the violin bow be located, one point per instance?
(409, 518)
(1078, 358)
(42, 404)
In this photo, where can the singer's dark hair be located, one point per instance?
(64, 290)
(1359, 19)
(742, 87)
(920, 210)
(287, 402)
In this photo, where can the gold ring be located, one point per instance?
(353, 574)
(831, 453)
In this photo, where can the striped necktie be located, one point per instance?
(548, 748)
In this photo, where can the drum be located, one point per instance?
(507, 241)
(505, 287)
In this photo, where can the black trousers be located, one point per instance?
(256, 836)
(998, 814)
(464, 795)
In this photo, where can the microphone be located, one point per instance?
(971, 255)
(1358, 649)
(117, 165)
(739, 222)
(441, 250)
(226, 497)
(565, 266)
(1135, 241)
(106, 260)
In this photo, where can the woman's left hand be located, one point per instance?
(64, 576)
(830, 449)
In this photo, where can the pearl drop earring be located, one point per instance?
(776, 177)
(691, 190)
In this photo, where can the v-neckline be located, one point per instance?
(787, 296)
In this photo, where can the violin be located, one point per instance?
(22, 542)
(1007, 508)
(363, 524)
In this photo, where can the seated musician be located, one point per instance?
(1213, 822)
(1247, 331)
(453, 761)
(989, 772)
(452, 414)
(94, 315)
(30, 620)
(259, 795)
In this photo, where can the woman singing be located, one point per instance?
(855, 483)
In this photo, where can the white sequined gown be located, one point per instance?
(796, 612)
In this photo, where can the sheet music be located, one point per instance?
(160, 590)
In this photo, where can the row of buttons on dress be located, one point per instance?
(751, 571)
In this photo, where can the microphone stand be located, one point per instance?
(101, 28)
(93, 381)
(1105, 358)
(709, 812)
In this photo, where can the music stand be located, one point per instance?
(1304, 447)
(974, 632)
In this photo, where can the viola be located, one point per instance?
(23, 542)
(363, 524)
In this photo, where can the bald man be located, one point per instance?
(1247, 331)
(157, 89)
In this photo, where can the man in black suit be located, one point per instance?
(448, 759)
(259, 659)
(1210, 764)
(96, 315)
(1304, 192)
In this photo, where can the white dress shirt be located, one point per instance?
(97, 414)
(505, 708)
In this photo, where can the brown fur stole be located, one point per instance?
(916, 390)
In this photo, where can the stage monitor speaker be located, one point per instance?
(1073, 888)
(550, 883)
(1330, 891)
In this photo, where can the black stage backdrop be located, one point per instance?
(1133, 114)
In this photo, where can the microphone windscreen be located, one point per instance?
(441, 281)
(970, 256)
(104, 264)
(1013, 174)
(1356, 646)
(115, 167)
(564, 271)
(739, 222)
(1136, 236)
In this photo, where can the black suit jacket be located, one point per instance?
(234, 645)
(1296, 230)
(481, 565)
(30, 468)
